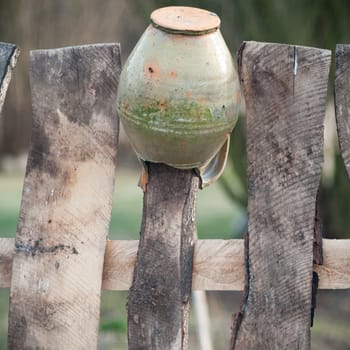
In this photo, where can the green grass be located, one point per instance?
(113, 323)
(4, 305)
(330, 333)
(10, 200)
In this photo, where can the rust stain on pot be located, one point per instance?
(202, 101)
(173, 74)
(178, 37)
(162, 105)
(238, 97)
(152, 71)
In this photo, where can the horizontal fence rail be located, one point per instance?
(8, 58)
(218, 264)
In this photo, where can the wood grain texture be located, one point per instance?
(218, 264)
(214, 259)
(158, 302)
(119, 264)
(342, 101)
(334, 273)
(8, 59)
(67, 199)
(285, 90)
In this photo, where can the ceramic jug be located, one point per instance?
(178, 95)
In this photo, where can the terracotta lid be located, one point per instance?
(185, 20)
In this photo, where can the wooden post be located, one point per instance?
(158, 304)
(342, 101)
(285, 90)
(67, 199)
(8, 59)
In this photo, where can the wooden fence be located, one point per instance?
(61, 256)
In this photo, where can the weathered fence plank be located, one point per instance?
(342, 101)
(8, 59)
(285, 90)
(67, 199)
(158, 302)
(217, 265)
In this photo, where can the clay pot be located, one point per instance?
(178, 93)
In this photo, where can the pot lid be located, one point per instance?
(185, 20)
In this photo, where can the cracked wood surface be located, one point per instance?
(8, 59)
(158, 302)
(67, 199)
(285, 90)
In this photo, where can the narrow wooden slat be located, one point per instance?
(342, 101)
(8, 59)
(158, 303)
(285, 90)
(67, 199)
(218, 264)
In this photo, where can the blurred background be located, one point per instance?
(37, 24)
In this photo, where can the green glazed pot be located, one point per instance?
(178, 95)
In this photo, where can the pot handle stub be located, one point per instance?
(213, 169)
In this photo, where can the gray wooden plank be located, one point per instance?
(67, 199)
(342, 101)
(8, 59)
(285, 90)
(158, 303)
